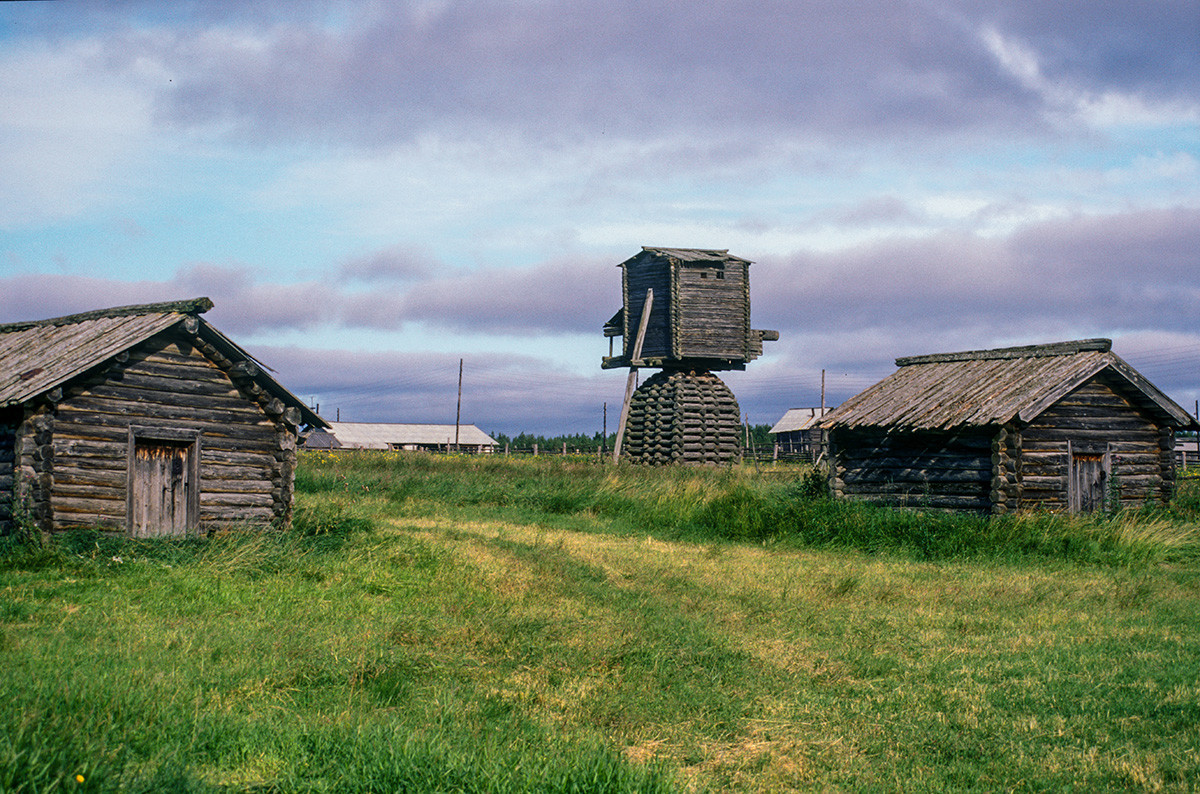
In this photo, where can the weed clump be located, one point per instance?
(329, 519)
(24, 545)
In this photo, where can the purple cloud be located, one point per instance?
(510, 395)
(1092, 273)
(557, 296)
(395, 264)
(1128, 276)
(626, 70)
(1124, 271)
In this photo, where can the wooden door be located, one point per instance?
(161, 489)
(1087, 486)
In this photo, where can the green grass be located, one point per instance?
(474, 624)
(781, 506)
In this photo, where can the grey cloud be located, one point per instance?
(878, 70)
(558, 296)
(1124, 271)
(395, 264)
(1149, 47)
(622, 69)
(513, 395)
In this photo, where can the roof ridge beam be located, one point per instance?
(194, 306)
(1024, 351)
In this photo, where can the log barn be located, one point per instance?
(1066, 427)
(143, 420)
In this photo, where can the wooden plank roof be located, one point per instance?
(991, 387)
(40, 355)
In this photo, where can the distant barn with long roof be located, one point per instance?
(1068, 426)
(144, 420)
(398, 436)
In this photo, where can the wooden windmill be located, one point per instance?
(686, 311)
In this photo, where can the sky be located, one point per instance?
(371, 192)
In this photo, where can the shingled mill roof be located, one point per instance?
(691, 254)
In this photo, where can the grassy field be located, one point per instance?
(492, 625)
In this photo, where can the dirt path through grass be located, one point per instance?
(763, 669)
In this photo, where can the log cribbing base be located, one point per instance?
(687, 417)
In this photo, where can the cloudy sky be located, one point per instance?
(370, 191)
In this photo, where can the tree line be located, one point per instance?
(760, 438)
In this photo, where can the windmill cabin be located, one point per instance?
(1067, 427)
(686, 311)
(143, 420)
(699, 318)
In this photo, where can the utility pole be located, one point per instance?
(822, 392)
(604, 433)
(458, 410)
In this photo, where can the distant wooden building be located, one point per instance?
(399, 436)
(700, 313)
(1187, 452)
(1068, 426)
(798, 432)
(144, 420)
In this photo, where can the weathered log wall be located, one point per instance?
(33, 457)
(635, 281)
(75, 451)
(926, 469)
(1012, 467)
(1006, 486)
(677, 416)
(1097, 418)
(713, 318)
(701, 309)
(8, 459)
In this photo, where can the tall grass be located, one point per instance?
(256, 661)
(785, 505)
(474, 624)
